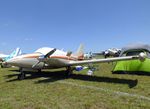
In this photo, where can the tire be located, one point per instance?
(21, 76)
(69, 71)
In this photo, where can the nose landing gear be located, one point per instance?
(22, 75)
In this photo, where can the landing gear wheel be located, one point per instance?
(39, 70)
(21, 76)
(69, 71)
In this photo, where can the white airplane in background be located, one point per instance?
(50, 58)
(88, 55)
(115, 52)
(2, 56)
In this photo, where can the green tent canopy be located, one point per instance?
(133, 65)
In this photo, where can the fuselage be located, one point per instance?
(56, 60)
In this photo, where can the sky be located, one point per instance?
(65, 24)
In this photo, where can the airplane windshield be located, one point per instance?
(44, 50)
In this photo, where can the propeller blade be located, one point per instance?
(50, 53)
(33, 66)
(41, 59)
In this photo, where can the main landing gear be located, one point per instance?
(69, 71)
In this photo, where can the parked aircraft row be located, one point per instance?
(113, 52)
(52, 58)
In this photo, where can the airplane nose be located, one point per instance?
(24, 62)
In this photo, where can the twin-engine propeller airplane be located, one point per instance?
(50, 58)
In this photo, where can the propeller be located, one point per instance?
(50, 53)
(43, 57)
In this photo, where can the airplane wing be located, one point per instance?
(64, 63)
(55, 62)
(71, 63)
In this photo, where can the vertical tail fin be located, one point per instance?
(13, 54)
(80, 52)
(17, 52)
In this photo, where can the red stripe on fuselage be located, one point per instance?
(58, 57)
(63, 57)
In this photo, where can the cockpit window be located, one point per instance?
(44, 50)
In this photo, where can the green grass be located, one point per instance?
(51, 90)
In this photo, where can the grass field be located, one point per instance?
(51, 90)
